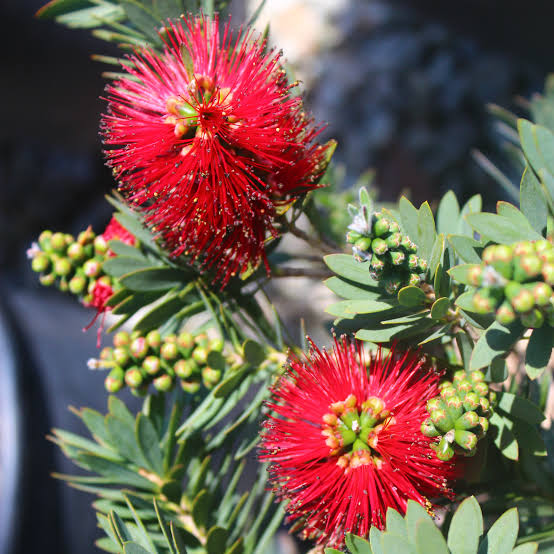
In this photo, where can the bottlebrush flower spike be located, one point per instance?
(208, 140)
(345, 440)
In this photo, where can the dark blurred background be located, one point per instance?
(403, 89)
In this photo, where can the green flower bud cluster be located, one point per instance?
(137, 361)
(73, 265)
(459, 415)
(392, 255)
(516, 282)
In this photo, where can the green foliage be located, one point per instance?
(416, 533)
(157, 494)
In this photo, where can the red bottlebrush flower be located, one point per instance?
(345, 440)
(208, 140)
(115, 231)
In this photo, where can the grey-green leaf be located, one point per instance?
(539, 351)
(466, 527)
(149, 443)
(429, 539)
(495, 341)
(502, 536)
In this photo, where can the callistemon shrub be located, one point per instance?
(208, 139)
(345, 442)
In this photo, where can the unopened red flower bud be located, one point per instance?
(44, 240)
(86, 237)
(397, 258)
(200, 355)
(379, 246)
(75, 251)
(467, 421)
(169, 351)
(466, 439)
(100, 245)
(527, 267)
(428, 428)
(414, 279)
(393, 241)
(548, 273)
(190, 387)
(185, 368)
(91, 268)
(381, 226)
(542, 293)
(210, 377)
(523, 248)
(57, 242)
(115, 381)
(62, 267)
(505, 313)
(352, 236)
(363, 244)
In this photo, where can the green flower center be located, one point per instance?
(352, 430)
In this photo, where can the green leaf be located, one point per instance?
(159, 314)
(376, 540)
(504, 439)
(502, 536)
(500, 229)
(142, 18)
(166, 9)
(528, 437)
(473, 205)
(118, 297)
(393, 544)
(117, 408)
(429, 539)
(529, 144)
(539, 351)
(54, 8)
(347, 308)
(88, 18)
(134, 548)
(381, 335)
(346, 266)
(351, 291)
(115, 472)
(217, 539)
(544, 140)
(532, 201)
(519, 407)
(439, 309)
(124, 249)
(527, 548)
(254, 352)
(96, 425)
(411, 296)
(426, 232)
(495, 341)
(154, 279)
(415, 513)
(332, 551)
(136, 301)
(468, 249)
(465, 301)
(132, 222)
(149, 443)
(356, 545)
(460, 273)
(447, 214)
(438, 333)
(395, 522)
(123, 438)
(201, 508)
(497, 371)
(121, 265)
(466, 527)
(409, 215)
(436, 256)
(229, 384)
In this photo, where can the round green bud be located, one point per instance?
(115, 381)
(44, 240)
(121, 356)
(151, 364)
(523, 248)
(428, 429)
(448, 391)
(381, 227)
(92, 268)
(77, 284)
(216, 345)
(454, 407)
(106, 353)
(377, 264)
(484, 302)
(200, 355)
(201, 340)
(435, 403)
(458, 376)
(533, 319)
(548, 273)
(492, 397)
(379, 246)
(100, 245)
(397, 258)
(422, 265)
(85, 237)
(485, 405)
(527, 267)
(505, 313)
(47, 280)
(546, 257)
(475, 275)
(481, 388)
(543, 245)
(352, 236)
(392, 285)
(185, 340)
(442, 420)
(542, 293)
(133, 377)
(57, 242)
(163, 383)
(62, 267)
(488, 254)
(521, 299)
(465, 439)
(190, 387)
(169, 351)
(138, 347)
(464, 385)
(75, 251)
(394, 241)
(394, 227)
(154, 339)
(477, 376)
(363, 244)
(40, 263)
(210, 377)
(467, 421)
(63, 285)
(444, 450)
(121, 338)
(484, 425)
(413, 279)
(413, 262)
(185, 368)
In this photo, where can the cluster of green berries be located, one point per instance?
(459, 415)
(136, 360)
(516, 281)
(73, 265)
(392, 256)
